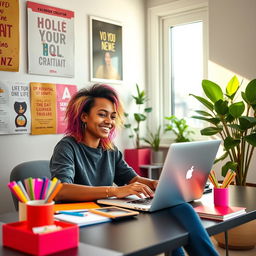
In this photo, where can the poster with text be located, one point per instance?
(9, 35)
(50, 40)
(106, 51)
(43, 108)
(64, 94)
(14, 108)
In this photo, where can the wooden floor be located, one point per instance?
(222, 252)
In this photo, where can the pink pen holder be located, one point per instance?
(221, 196)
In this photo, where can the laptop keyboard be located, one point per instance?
(145, 201)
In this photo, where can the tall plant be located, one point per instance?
(234, 120)
(139, 116)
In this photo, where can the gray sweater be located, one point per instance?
(77, 163)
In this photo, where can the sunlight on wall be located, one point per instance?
(221, 76)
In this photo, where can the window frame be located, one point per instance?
(158, 61)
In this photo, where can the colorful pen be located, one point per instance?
(80, 214)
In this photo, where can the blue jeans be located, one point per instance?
(199, 243)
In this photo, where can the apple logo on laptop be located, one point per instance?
(189, 173)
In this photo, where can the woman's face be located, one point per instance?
(100, 120)
(107, 58)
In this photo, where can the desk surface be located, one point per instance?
(152, 233)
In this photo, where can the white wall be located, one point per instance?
(15, 149)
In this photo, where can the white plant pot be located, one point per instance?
(157, 157)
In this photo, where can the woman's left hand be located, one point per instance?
(153, 184)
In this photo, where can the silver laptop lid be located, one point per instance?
(185, 172)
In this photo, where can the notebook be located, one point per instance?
(219, 212)
(183, 177)
(89, 219)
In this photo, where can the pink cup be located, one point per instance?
(220, 196)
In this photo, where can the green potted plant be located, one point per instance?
(233, 118)
(154, 139)
(139, 116)
(179, 127)
(137, 156)
(234, 121)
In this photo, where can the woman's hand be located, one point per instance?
(135, 188)
(153, 184)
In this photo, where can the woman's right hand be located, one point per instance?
(136, 188)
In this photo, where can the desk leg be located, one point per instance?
(226, 242)
(149, 173)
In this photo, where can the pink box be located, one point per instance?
(137, 157)
(221, 196)
(16, 235)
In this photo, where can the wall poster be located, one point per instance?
(106, 60)
(14, 108)
(9, 35)
(48, 107)
(50, 40)
(64, 94)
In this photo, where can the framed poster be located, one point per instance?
(106, 57)
(50, 40)
(9, 35)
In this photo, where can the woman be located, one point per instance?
(107, 70)
(88, 163)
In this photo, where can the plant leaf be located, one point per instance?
(232, 86)
(212, 90)
(247, 122)
(229, 165)
(236, 127)
(244, 97)
(210, 120)
(148, 110)
(221, 158)
(126, 114)
(237, 109)
(139, 117)
(210, 131)
(250, 92)
(127, 125)
(221, 107)
(203, 113)
(229, 142)
(205, 102)
(229, 118)
(251, 139)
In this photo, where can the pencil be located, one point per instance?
(232, 176)
(23, 189)
(52, 185)
(214, 179)
(54, 193)
(20, 194)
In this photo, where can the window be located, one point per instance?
(177, 58)
(185, 69)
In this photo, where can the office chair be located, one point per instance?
(34, 169)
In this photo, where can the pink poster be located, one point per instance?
(64, 94)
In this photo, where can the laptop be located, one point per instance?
(183, 177)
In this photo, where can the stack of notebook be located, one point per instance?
(219, 212)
